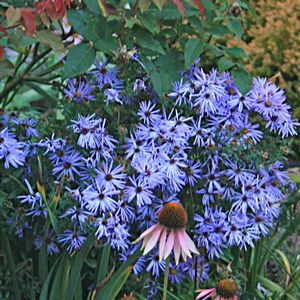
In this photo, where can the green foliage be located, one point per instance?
(79, 59)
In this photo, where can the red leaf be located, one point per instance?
(68, 2)
(1, 53)
(179, 6)
(28, 15)
(55, 9)
(200, 6)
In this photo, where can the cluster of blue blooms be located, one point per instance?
(195, 154)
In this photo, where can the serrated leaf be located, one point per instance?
(236, 27)
(79, 59)
(192, 50)
(225, 64)
(50, 39)
(243, 80)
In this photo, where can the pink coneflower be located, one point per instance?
(170, 232)
(224, 290)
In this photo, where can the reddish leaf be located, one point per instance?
(54, 9)
(1, 53)
(200, 6)
(28, 15)
(179, 6)
(68, 4)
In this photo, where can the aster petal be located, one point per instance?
(169, 244)
(162, 244)
(176, 248)
(183, 243)
(190, 243)
(146, 232)
(153, 239)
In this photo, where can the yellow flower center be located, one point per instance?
(78, 94)
(173, 216)
(226, 289)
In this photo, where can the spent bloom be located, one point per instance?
(224, 290)
(170, 232)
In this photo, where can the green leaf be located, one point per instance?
(102, 269)
(236, 27)
(160, 3)
(50, 39)
(242, 79)
(11, 265)
(208, 5)
(225, 64)
(59, 274)
(149, 22)
(118, 279)
(93, 6)
(86, 24)
(79, 59)
(6, 69)
(45, 287)
(146, 40)
(218, 30)
(77, 267)
(236, 52)
(131, 22)
(192, 50)
(295, 177)
(107, 44)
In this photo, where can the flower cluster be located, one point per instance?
(184, 176)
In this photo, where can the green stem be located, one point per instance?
(166, 277)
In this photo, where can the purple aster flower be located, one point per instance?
(79, 91)
(109, 177)
(155, 266)
(52, 145)
(176, 273)
(139, 85)
(78, 215)
(99, 199)
(28, 125)
(112, 96)
(197, 267)
(147, 113)
(125, 212)
(88, 127)
(69, 165)
(106, 76)
(11, 150)
(139, 190)
(181, 92)
(32, 198)
(74, 240)
(50, 241)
